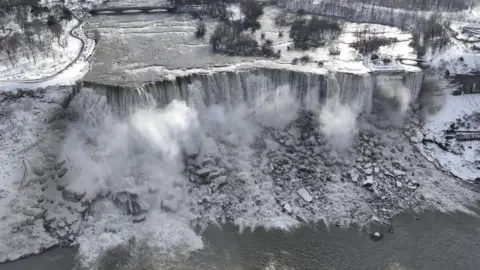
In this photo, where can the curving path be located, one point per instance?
(82, 48)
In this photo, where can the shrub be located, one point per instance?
(282, 19)
(371, 44)
(313, 33)
(201, 30)
(232, 41)
(305, 59)
(251, 9)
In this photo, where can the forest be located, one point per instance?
(28, 31)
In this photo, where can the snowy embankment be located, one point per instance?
(33, 215)
(462, 158)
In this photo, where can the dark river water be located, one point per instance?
(429, 240)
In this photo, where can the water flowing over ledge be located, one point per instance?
(246, 85)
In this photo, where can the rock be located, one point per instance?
(289, 142)
(375, 219)
(61, 233)
(61, 224)
(376, 170)
(129, 203)
(368, 182)
(368, 171)
(59, 165)
(81, 209)
(62, 172)
(414, 139)
(419, 135)
(398, 184)
(41, 180)
(376, 236)
(288, 208)
(398, 172)
(215, 174)
(139, 218)
(171, 206)
(399, 147)
(413, 185)
(203, 172)
(38, 171)
(353, 176)
(72, 196)
(208, 161)
(221, 180)
(305, 195)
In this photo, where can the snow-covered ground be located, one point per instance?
(139, 42)
(31, 125)
(461, 159)
(65, 51)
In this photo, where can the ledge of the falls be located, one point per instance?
(228, 85)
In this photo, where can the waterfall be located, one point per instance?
(230, 88)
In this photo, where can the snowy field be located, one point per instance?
(137, 42)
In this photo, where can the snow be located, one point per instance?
(142, 155)
(349, 59)
(68, 76)
(29, 135)
(450, 58)
(44, 66)
(435, 125)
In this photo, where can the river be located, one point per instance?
(429, 240)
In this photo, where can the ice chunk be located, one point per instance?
(304, 194)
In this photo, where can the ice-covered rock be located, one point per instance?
(288, 208)
(376, 236)
(203, 172)
(305, 195)
(129, 203)
(368, 182)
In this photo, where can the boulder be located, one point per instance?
(129, 203)
(368, 182)
(305, 195)
(287, 208)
